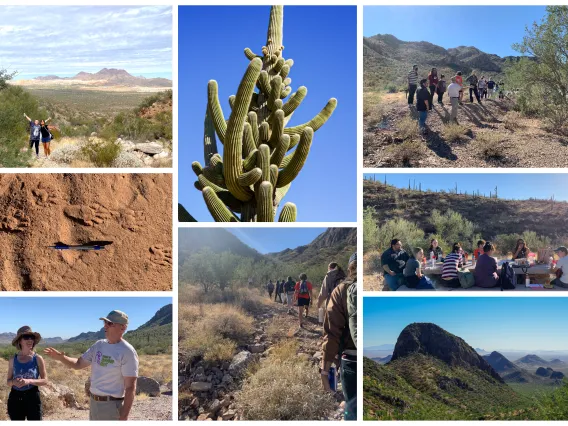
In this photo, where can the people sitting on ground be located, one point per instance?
(394, 260)
(459, 80)
(441, 89)
(452, 262)
(479, 250)
(340, 339)
(412, 83)
(473, 81)
(422, 105)
(303, 295)
(486, 268)
(289, 286)
(454, 92)
(436, 249)
(270, 288)
(331, 280)
(413, 274)
(482, 87)
(432, 85)
(561, 268)
(521, 250)
(491, 87)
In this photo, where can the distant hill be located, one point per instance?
(88, 336)
(386, 59)
(434, 375)
(105, 77)
(162, 317)
(499, 363)
(6, 339)
(531, 360)
(383, 360)
(217, 239)
(385, 347)
(500, 216)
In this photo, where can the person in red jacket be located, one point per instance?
(303, 293)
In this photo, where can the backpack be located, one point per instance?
(467, 280)
(289, 286)
(304, 287)
(507, 277)
(442, 86)
(352, 311)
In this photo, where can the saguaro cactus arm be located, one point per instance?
(288, 174)
(288, 213)
(216, 207)
(316, 122)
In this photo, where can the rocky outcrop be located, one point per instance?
(63, 393)
(147, 386)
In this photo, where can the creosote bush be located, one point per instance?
(101, 153)
(407, 128)
(454, 132)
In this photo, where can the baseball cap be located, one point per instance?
(562, 248)
(118, 317)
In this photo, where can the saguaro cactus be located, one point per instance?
(259, 162)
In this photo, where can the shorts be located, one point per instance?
(45, 140)
(303, 301)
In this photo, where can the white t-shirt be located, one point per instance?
(454, 90)
(110, 364)
(563, 263)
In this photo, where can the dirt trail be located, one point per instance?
(132, 210)
(521, 142)
(309, 339)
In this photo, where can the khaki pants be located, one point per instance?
(105, 410)
(454, 112)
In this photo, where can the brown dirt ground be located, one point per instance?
(527, 144)
(132, 210)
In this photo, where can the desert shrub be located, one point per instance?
(454, 132)
(262, 398)
(127, 159)
(372, 262)
(407, 153)
(391, 88)
(409, 233)
(67, 154)
(370, 229)
(407, 128)
(165, 96)
(512, 120)
(452, 227)
(101, 153)
(489, 145)
(506, 243)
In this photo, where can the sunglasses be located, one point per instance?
(28, 337)
(108, 323)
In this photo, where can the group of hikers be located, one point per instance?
(400, 268)
(426, 88)
(114, 371)
(39, 130)
(338, 299)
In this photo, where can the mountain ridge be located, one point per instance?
(109, 77)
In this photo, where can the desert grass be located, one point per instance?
(158, 367)
(513, 121)
(454, 132)
(373, 110)
(407, 128)
(407, 153)
(283, 387)
(490, 145)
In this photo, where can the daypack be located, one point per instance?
(442, 86)
(507, 277)
(352, 311)
(467, 280)
(304, 287)
(332, 280)
(270, 286)
(289, 286)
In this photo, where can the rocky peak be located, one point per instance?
(430, 339)
(499, 362)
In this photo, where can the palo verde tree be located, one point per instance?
(261, 156)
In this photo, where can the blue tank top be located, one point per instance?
(28, 370)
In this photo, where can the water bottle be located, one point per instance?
(527, 281)
(332, 377)
(432, 259)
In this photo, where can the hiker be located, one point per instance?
(432, 85)
(561, 269)
(413, 274)
(340, 338)
(289, 288)
(479, 250)
(277, 293)
(481, 87)
(26, 371)
(412, 83)
(422, 105)
(303, 295)
(521, 250)
(491, 87)
(282, 292)
(459, 80)
(114, 370)
(270, 288)
(454, 92)
(35, 133)
(436, 249)
(501, 90)
(333, 277)
(45, 137)
(486, 268)
(394, 260)
(452, 263)
(473, 80)
(441, 88)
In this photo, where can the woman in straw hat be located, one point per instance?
(26, 371)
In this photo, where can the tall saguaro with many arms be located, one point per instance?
(259, 161)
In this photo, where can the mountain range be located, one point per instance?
(6, 339)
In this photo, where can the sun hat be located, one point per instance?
(25, 331)
(117, 317)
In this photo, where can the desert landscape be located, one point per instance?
(133, 211)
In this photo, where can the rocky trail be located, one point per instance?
(207, 392)
(491, 135)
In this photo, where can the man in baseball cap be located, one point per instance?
(561, 267)
(114, 370)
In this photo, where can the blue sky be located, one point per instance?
(64, 40)
(492, 29)
(490, 323)
(322, 41)
(511, 185)
(69, 316)
(270, 240)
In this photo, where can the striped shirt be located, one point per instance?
(413, 77)
(450, 267)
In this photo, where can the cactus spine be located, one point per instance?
(259, 162)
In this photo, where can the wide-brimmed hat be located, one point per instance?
(117, 317)
(24, 331)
